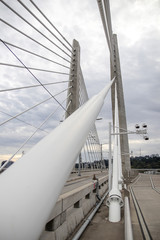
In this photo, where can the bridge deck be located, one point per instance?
(76, 181)
(147, 194)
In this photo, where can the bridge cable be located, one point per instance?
(92, 145)
(35, 54)
(28, 109)
(51, 23)
(31, 68)
(101, 10)
(45, 26)
(108, 18)
(22, 121)
(50, 115)
(34, 26)
(32, 86)
(82, 99)
(34, 40)
(33, 75)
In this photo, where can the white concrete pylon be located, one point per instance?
(31, 186)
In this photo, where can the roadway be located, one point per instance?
(146, 197)
(145, 213)
(74, 181)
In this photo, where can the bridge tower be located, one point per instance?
(116, 71)
(73, 92)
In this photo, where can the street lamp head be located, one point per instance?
(144, 125)
(146, 138)
(137, 126)
(99, 119)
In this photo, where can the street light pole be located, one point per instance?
(115, 201)
(110, 159)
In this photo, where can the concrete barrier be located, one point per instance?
(71, 208)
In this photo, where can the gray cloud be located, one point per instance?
(138, 37)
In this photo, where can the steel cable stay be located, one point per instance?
(84, 156)
(32, 68)
(28, 109)
(49, 116)
(26, 21)
(106, 7)
(63, 117)
(88, 160)
(97, 144)
(32, 86)
(90, 152)
(108, 18)
(101, 9)
(92, 146)
(106, 30)
(33, 75)
(35, 54)
(22, 121)
(83, 97)
(89, 157)
(82, 101)
(51, 23)
(34, 40)
(45, 28)
(93, 130)
(94, 152)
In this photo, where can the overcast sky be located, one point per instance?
(137, 25)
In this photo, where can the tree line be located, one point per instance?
(148, 162)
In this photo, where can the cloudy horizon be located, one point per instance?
(136, 24)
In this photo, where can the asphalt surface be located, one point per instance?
(148, 200)
(75, 181)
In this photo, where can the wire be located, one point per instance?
(31, 68)
(32, 86)
(69, 103)
(33, 75)
(35, 54)
(101, 10)
(44, 26)
(30, 136)
(51, 23)
(108, 18)
(22, 121)
(32, 25)
(16, 29)
(28, 109)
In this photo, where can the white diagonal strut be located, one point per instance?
(31, 186)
